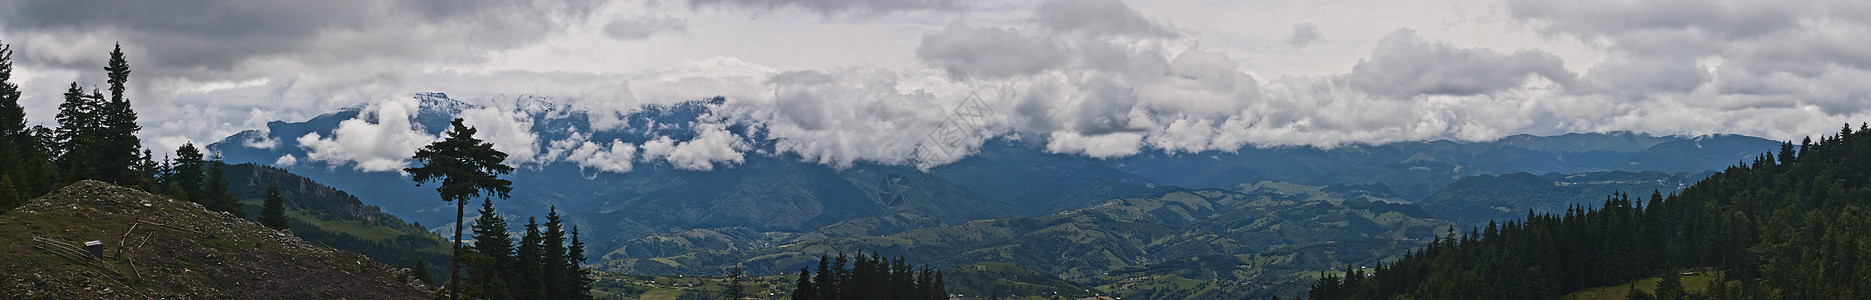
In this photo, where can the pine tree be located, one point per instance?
(214, 191)
(76, 135)
(1635, 294)
(552, 244)
(41, 173)
(579, 279)
(466, 167)
(422, 272)
(827, 279)
(846, 288)
(495, 248)
(144, 172)
(12, 115)
(188, 174)
(24, 155)
(526, 283)
(1671, 288)
(858, 282)
(941, 288)
(9, 196)
(119, 146)
(273, 210)
(736, 291)
(802, 288)
(16, 152)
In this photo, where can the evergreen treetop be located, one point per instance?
(273, 209)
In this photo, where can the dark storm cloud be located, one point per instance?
(211, 37)
(836, 8)
(1405, 65)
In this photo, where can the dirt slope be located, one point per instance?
(156, 247)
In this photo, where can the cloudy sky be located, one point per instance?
(843, 81)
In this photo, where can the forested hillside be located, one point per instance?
(328, 216)
(1479, 199)
(1785, 226)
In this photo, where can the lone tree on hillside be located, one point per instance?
(273, 211)
(466, 166)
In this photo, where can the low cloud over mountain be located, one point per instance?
(876, 81)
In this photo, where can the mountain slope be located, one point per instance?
(775, 209)
(155, 247)
(334, 218)
(1478, 199)
(1788, 226)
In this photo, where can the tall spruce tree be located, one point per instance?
(578, 279)
(528, 260)
(273, 209)
(10, 197)
(119, 149)
(827, 279)
(21, 155)
(76, 135)
(941, 287)
(925, 285)
(553, 253)
(187, 175)
(495, 246)
(735, 290)
(422, 272)
(215, 191)
(12, 114)
(803, 290)
(466, 167)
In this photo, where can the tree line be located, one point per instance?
(543, 264)
(866, 277)
(96, 139)
(1789, 225)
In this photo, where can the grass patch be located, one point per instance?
(352, 228)
(1691, 283)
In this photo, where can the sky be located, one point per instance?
(845, 81)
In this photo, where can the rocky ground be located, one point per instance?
(156, 247)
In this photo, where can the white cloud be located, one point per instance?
(381, 139)
(509, 129)
(712, 144)
(1100, 146)
(286, 161)
(845, 82)
(845, 116)
(615, 157)
(1404, 65)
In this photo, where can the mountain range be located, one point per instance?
(775, 211)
